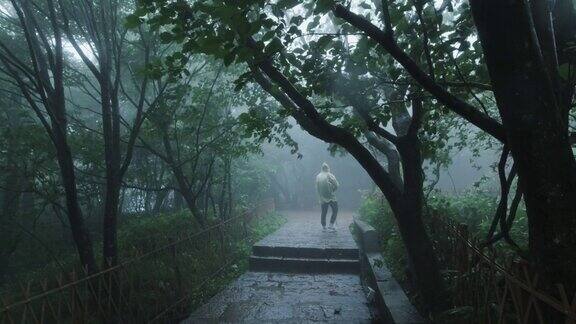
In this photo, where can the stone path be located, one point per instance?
(299, 275)
(303, 230)
(301, 246)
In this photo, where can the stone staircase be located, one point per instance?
(302, 259)
(299, 274)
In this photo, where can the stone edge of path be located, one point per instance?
(390, 299)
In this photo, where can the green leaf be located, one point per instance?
(314, 23)
(323, 41)
(166, 37)
(323, 6)
(296, 20)
(287, 4)
(229, 58)
(274, 46)
(268, 36)
(133, 21)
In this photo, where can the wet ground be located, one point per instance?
(303, 230)
(277, 297)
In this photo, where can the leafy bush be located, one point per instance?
(205, 270)
(376, 212)
(199, 269)
(474, 208)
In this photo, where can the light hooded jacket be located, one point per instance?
(326, 185)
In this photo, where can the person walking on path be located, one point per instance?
(326, 185)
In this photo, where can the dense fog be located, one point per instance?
(296, 173)
(155, 152)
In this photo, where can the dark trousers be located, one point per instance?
(334, 206)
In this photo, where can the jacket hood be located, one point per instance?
(325, 167)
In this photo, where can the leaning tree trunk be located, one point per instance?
(186, 192)
(182, 182)
(193, 207)
(424, 270)
(536, 132)
(409, 218)
(407, 208)
(422, 260)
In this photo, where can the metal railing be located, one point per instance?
(161, 283)
(494, 288)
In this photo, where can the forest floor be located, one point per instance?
(310, 292)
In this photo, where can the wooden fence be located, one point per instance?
(490, 287)
(158, 284)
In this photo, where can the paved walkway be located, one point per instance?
(286, 295)
(303, 230)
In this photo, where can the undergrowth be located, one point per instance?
(200, 269)
(474, 208)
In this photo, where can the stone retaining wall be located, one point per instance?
(389, 298)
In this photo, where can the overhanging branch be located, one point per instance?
(460, 107)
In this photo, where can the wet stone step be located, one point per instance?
(299, 274)
(304, 265)
(304, 252)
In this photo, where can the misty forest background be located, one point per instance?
(124, 119)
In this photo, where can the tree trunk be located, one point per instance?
(392, 157)
(178, 202)
(221, 200)
(405, 204)
(213, 204)
(80, 234)
(110, 118)
(230, 203)
(407, 209)
(11, 193)
(564, 22)
(10, 201)
(191, 203)
(181, 180)
(423, 267)
(536, 133)
(159, 202)
(422, 260)
(206, 199)
(110, 223)
(186, 193)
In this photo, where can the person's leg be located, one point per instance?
(334, 205)
(324, 212)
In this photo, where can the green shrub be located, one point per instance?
(203, 269)
(474, 208)
(376, 212)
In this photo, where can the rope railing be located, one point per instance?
(149, 285)
(498, 289)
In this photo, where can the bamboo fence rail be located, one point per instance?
(493, 288)
(157, 284)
